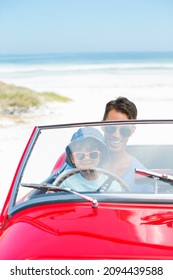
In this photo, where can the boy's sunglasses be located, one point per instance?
(125, 131)
(82, 155)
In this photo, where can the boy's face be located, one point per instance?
(86, 155)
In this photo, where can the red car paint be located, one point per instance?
(78, 231)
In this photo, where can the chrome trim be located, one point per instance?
(98, 123)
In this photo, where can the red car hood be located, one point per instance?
(78, 231)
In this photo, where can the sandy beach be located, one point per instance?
(89, 94)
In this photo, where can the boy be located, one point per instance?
(87, 151)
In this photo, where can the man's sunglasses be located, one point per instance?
(125, 131)
(82, 155)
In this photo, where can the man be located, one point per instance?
(122, 163)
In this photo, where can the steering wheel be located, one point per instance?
(105, 185)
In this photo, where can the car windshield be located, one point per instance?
(101, 161)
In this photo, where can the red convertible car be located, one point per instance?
(100, 190)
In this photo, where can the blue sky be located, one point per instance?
(52, 26)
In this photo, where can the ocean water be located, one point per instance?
(90, 78)
(36, 65)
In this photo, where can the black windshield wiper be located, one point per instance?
(50, 187)
(151, 174)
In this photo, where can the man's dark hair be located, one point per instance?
(123, 105)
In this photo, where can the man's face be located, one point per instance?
(116, 141)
